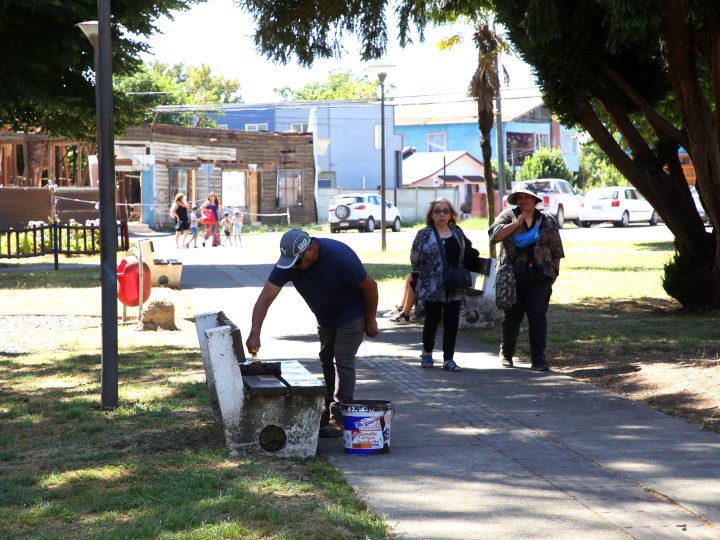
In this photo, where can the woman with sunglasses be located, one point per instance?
(441, 233)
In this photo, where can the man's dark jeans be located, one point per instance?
(533, 301)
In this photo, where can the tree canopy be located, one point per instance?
(545, 163)
(341, 85)
(162, 84)
(46, 72)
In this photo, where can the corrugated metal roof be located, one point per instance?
(460, 111)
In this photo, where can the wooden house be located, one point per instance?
(269, 175)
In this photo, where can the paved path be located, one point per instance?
(489, 452)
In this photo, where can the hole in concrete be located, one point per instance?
(272, 438)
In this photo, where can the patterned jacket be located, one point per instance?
(426, 259)
(547, 249)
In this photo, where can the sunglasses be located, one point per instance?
(441, 211)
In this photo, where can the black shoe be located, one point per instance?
(506, 362)
(332, 429)
(540, 367)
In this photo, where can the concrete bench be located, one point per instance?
(164, 272)
(270, 408)
(478, 310)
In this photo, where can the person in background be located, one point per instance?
(210, 209)
(403, 313)
(338, 290)
(536, 266)
(179, 212)
(226, 226)
(439, 302)
(194, 220)
(237, 225)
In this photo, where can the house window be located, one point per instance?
(233, 188)
(223, 126)
(182, 180)
(299, 127)
(289, 188)
(256, 127)
(378, 137)
(542, 140)
(567, 143)
(437, 142)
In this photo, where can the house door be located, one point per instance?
(253, 186)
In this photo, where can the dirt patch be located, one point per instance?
(670, 372)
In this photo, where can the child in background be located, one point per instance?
(193, 227)
(237, 221)
(226, 226)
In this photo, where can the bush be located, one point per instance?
(545, 163)
(686, 281)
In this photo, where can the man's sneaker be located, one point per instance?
(332, 429)
(506, 362)
(540, 367)
(426, 361)
(416, 315)
(402, 318)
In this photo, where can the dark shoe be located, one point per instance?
(506, 362)
(325, 418)
(540, 367)
(402, 318)
(450, 365)
(426, 361)
(333, 429)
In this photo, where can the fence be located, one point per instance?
(56, 238)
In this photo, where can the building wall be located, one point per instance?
(176, 146)
(466, 136)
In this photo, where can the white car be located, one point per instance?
(559, 198)
(617, 205)
(698, 205)
(361, 211)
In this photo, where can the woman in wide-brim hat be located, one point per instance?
(533, 248)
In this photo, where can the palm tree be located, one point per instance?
(485, 88)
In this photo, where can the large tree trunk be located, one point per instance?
(666, 189)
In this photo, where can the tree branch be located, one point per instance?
(659, 123)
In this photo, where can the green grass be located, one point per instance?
(157, 466)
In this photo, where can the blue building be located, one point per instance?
(346, 135)
(453, 126)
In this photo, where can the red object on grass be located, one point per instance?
(128, 281)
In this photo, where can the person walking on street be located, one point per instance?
(179, 212)
(532, 247)
(210, 210)
(441, 233)
(338, 290)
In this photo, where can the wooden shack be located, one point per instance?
(266, 174)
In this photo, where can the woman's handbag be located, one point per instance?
(505, 287)
(454, 277)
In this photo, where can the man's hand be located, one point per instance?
(253, 344)
(371, 327)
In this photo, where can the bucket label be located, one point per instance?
(366, 427)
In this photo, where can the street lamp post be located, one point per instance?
(381, 77)
(99, 34)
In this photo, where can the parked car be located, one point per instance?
(617, 205)
(559, 198)
(698, 204)
(361, 211)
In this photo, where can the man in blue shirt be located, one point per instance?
(338, 290)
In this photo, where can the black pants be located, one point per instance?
(533, 301)
(450, 314)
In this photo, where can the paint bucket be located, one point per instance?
(366, 426)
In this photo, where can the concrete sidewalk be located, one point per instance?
(491, 452)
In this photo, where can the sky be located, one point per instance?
(219, 34)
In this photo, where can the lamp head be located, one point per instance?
(90, 29)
